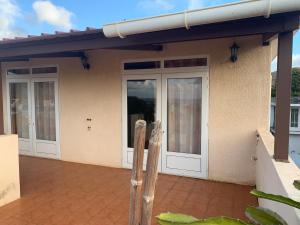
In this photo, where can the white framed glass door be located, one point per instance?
(185, 122)
(45, 117)
(19, 113)
(141, 100)
(180, 101)
(33, 115)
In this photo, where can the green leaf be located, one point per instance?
(181, 219)
(264, 216)
(276, 198)
(176, 218)
(297, 184)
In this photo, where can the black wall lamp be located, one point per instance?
(234, 52)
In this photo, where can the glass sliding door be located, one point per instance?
(140, 101)
(20, 113)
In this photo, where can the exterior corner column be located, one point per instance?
(283, 96)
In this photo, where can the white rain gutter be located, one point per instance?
(227, 12)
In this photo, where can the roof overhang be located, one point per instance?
(95, 39)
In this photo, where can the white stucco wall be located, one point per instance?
(276, 178)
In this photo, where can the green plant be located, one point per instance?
(256, 215)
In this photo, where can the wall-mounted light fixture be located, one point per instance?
(234, 52)
(85, 62)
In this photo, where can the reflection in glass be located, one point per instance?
(184, 115)
(44, 97)
(141, 104)
(18, 94)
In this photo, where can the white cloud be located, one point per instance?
(295, 63)
(54, 15)
(9, 11)
(296, 60)
(156, 5)
(195, 4)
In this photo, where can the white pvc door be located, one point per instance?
(45, 121)
(180, 101)
(19, 106)
(141, 100)
(184, 120)
(33, 114)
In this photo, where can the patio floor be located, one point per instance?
(62, 193)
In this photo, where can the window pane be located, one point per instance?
(18, 71)
(294, 117)
(44, 70)
(44, 95)
(184, 115)
(142, 65)
(18, 94)
(185, 62)
(141, 104)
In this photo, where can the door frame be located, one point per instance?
(203, 157)
(125, 78)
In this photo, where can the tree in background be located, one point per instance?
(295, 92)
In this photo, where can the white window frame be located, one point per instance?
(295, 129)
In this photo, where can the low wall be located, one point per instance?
(276, 178)
(9, 169)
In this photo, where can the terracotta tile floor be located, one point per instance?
(62, 193)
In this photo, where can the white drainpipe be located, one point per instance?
(227, 12)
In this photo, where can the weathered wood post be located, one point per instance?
(137, 173)
(151, 174)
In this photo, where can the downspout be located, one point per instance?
(187, 19)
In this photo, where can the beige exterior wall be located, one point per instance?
(9, 173)
(238, 104)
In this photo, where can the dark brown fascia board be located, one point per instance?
(51, 55)
(268, 37)
(252, 26)
(150, 47)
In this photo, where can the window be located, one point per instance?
(40, 70)
(175, 63)
(22, 71)
(142, 65)
(294, 117)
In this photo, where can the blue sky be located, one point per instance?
(22, 17)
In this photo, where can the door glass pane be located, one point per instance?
(18, 94)
(141, 104)
(44, 96)
(184, 115)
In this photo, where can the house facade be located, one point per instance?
(76, 96)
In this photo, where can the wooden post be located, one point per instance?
(151, 174)
(137, 173)
(283, 95)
